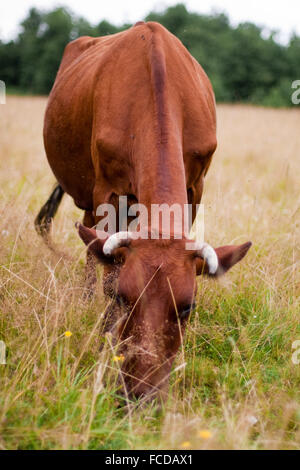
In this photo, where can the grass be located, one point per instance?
(239, 389)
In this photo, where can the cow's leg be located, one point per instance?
(90, 267)
(44, 218)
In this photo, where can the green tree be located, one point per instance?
(10, 63)
(55, 32)
(241, 62)
(104, 28)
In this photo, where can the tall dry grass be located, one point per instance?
(239, 388)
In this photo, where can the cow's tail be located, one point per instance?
(45, 217)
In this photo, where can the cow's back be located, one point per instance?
(69, 116)
(104, 89)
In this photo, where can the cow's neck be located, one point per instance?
(159, 157)
(161, 181)
(161, 176)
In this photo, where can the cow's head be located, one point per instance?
(152, 284)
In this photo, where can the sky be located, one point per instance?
(280, 15)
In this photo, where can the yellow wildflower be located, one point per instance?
(119, 358)
(204, 434)
(68, 334)
(185, 445)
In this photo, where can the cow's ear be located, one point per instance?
(93, 241)
(228, 256)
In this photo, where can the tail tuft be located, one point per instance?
(44, 218)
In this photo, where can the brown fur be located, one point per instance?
(134, 114)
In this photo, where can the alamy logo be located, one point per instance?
(2, 92)
(296, 94)
(296, 354)
(157, 221)
(2, 353)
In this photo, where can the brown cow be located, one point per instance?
(134, 114)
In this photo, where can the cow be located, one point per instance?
(133, 114)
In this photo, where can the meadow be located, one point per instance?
(234, 384)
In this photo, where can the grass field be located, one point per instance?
(239, 389)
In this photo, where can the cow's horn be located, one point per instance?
(209, 255)
(115, 241)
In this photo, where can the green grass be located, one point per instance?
(239, 382)
(53, 394)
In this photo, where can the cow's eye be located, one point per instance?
(186, 311)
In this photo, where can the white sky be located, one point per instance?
(277, 14)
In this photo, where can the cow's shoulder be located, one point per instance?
(75, 48)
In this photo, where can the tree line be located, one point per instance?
(244, 63)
